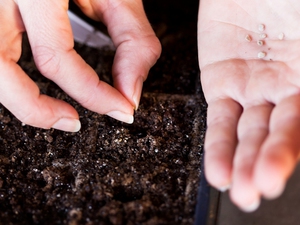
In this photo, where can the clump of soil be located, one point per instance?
(111, 172)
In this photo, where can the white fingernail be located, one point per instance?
(121, 116)
(67, 124)
(276, 192)
(252, 207)
(224, 188)
(137, 92)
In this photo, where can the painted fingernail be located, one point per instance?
(252, 207)
(224, 188)
(276, 192)
(137, 92)
(67, 124)
(121, 116)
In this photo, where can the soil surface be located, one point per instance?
(111, 172)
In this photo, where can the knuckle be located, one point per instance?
(88, 98)
(47, 60)
(152, 49)
(28, 117)
(37, 116)
(156, 49)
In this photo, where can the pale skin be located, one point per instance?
(252, 142)
(48, 28)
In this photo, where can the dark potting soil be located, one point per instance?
(111, 172)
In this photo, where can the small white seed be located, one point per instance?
(248, 38)
(262, 36)
(261, 55)
(261, 27)
(260, 43)
(281, 36)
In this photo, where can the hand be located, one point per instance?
(253, 93)
(51, 40)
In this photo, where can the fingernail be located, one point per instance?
(67, 124)
(276, 192)
(224, 188)
(137, 92)
(252, 207)
(121, 116)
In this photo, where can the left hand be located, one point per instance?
(252, 142)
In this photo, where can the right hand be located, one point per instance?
(48, 28)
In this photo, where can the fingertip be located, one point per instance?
(224, 188)
(274, 166)
(217, 171)
(251, 207)
(244, 194)
(270, 181)
(67, 124)
(121, 116)
(275, 191)
(130, 87)
(218, 181)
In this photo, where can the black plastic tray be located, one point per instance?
(208, 201)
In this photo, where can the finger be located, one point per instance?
(137, 46)
(51, 40)
(253, 128)
(131, 66)
(18, 93)
(220, 141)
(21, 96)
(280, 151)
(11, 27)
(86, 7)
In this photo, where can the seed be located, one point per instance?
(261, 55)
(260, 42)
(281, 36)
(261, 27)
(262, 36)
(248, 38)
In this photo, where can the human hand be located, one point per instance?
(253, 94)
(48, 28)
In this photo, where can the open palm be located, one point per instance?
(253, 93)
